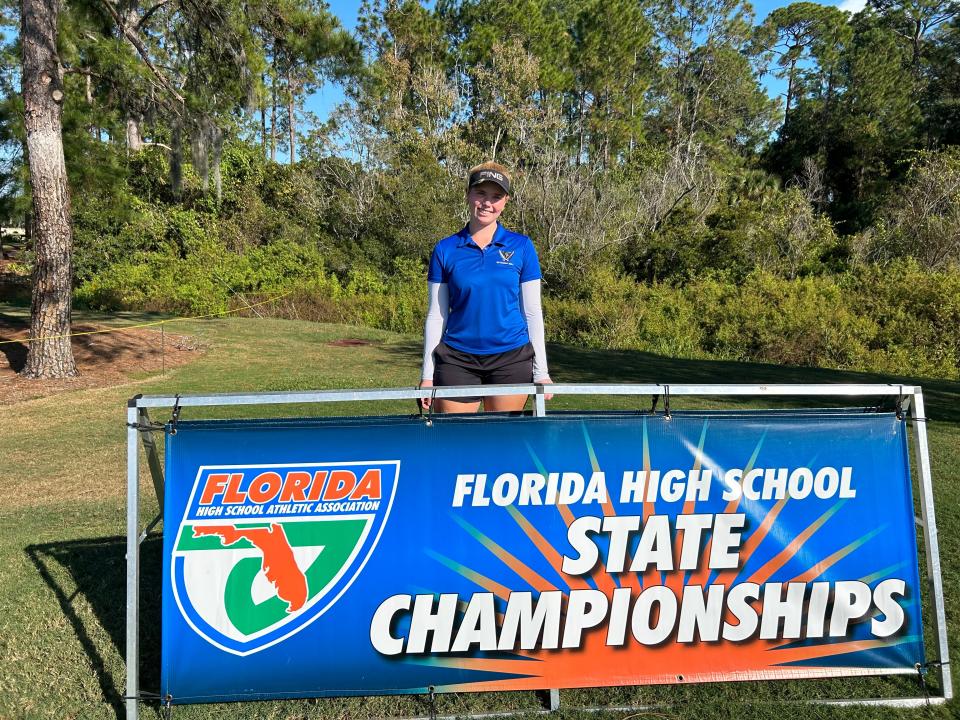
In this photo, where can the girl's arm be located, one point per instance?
(438, 306)
(533, 312)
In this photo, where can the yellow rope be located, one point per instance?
(149, 324)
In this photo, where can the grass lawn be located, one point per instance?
(62, 523)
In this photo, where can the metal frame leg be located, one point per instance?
(931, 541)
(539, 403)
(554, 700)
(540, 410)
(133, 566)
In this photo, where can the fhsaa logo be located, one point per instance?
(264, 550)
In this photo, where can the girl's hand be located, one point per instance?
(546, 381)
(425, 402)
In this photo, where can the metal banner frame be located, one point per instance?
(906, 397)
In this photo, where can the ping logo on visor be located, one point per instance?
(482, 176)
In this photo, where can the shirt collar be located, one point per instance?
(499, 236)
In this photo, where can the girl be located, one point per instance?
(484, 319)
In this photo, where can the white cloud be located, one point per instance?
(852, 6)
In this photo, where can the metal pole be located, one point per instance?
(539, 403)
(540, 410)
(931, 541)
(317, 396)
(133, 564)
(554, 700)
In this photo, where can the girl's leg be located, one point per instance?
(504, 403)
(452, 406)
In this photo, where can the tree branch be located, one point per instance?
(141, 49)
(80, 71)
(146, 16)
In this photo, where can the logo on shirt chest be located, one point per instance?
(505, 257)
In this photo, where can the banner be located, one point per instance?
(383, 555)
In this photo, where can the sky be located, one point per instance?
(326, 99)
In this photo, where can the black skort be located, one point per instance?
(454, 367)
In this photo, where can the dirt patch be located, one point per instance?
(103, 359)
(348, 342)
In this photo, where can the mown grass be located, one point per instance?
(62, 524)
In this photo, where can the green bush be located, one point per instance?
(159, 281)
(898, 319)
(104, 235)
(209, 278)
(396, 302)
(807, 321)
(608, 310)
(917, 314)
(206, 279)
(782, 234)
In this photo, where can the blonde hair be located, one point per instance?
(489, 165)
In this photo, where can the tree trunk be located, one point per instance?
(826, 122)
(176, 157)
(291, 120)
(273, 118)
(216, 146)
(50, 354)
(786, 111)
(134, 139)
(580, 131)
(88, 96)
(915, 41)
(200, 158)
(263, 118)
(496, 143)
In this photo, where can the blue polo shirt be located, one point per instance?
(484, 287)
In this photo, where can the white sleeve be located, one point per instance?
(438, 306)
(533, 312)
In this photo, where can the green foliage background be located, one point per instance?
(676, 207)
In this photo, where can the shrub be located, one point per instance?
(608, 310)
(917, 314)
(898, 319)
(922, 219)
(206, 279)
(805, 321)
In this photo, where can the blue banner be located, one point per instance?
(308, 558)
